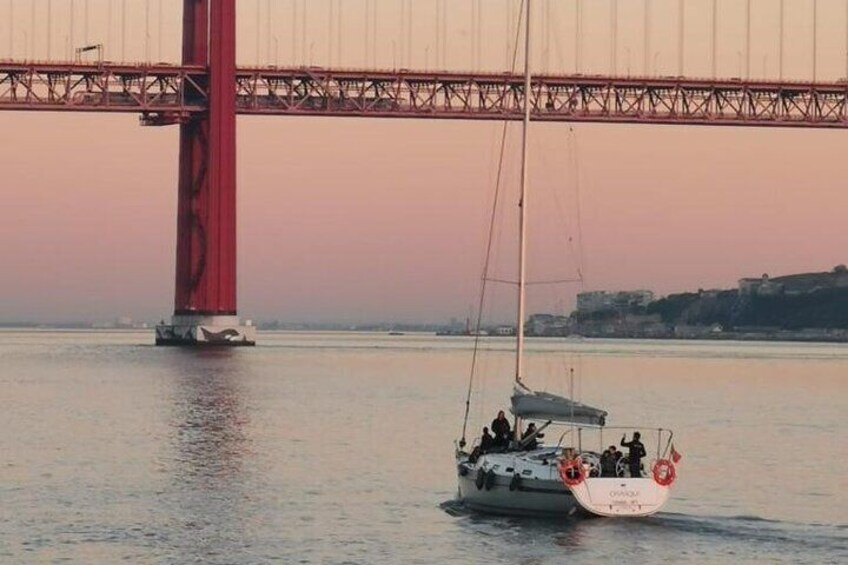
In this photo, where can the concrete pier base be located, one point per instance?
(197, 330)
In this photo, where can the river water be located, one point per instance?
(338, 448)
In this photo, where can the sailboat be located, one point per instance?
(576, 474)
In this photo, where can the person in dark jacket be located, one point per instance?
(608, 464)
(501, 429)
(635, 454)
(486, 441)
(616, 457)
(530, 431)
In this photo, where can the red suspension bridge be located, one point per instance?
(203, 95)
(168, 94)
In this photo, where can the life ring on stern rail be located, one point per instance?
(664, 472)
(571, 471)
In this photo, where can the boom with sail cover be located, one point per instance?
(546, 406)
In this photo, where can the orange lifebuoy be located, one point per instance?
(664, 472)
(571, 472)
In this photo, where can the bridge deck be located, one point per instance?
(166, 94)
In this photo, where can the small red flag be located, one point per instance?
(675, 455)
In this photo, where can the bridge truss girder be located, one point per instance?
(165, 94)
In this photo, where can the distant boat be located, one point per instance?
(396, 333)
(519, 477)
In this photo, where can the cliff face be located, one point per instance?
(821, 308)
(697, 309)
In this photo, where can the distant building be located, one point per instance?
(548, 324)
(603, 301)
(804, 283)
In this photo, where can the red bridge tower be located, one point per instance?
(205, 297)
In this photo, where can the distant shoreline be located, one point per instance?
(787, 336)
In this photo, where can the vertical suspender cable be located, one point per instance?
(714, 40)
(748, 39)
(146, 31)
(780, 39)
(547, 23)
(49, 29)
(445, 30)
(331, 36)
(32, 31)
(11, 29)
(340, 39)
(578, 39)
(438, 33)
(258, 31)
(646, 35)
(681, 37)
(479, 34)
(303, 16)
(376, 22)
(159, 33)
(367, 30)
(402, 32)
(108, 46)
(613, 37)
(815, 38)
(268, 18)
(509, 26)
(294, 32)
(123, 30)
(471, 49)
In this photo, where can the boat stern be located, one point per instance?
(621, 496)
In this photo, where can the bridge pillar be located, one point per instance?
(205, 297)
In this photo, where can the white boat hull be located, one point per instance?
(529, 484)
(620, 496)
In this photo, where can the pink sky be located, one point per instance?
(344, 219)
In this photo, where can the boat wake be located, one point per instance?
(694, 536)
(755, 529)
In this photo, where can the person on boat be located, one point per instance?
(501, 429)
(568, 455)
(635, 454)
(531, 436)
(616, 457)
(608, 462)
(486, 441)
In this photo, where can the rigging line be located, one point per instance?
(501, 281)
(555, 282)
(534, 283)
(499, 178)
(560, 217)
(581, 256)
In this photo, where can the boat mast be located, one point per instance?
(522, 203)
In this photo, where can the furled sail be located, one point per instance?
(546, 406)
